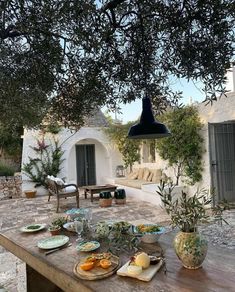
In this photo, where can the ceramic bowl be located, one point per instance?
(151, 237)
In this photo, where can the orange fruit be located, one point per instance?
(105, 264)
(91, 259)
(87, 266)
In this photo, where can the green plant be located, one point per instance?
(54, 227)
(187, 212)
(120, 194)
(124, 47)
(11, 142)
(105, 195)
(47, 162)
(6, 170)
(59, 221)
(183, 150)
(121, 237)
(128, 148)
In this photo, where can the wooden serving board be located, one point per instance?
(146, 275)
(97, 272)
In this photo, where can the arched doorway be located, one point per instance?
(92, 162)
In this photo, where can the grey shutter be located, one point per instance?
(81, 165)
(222, 158)
(91, 167)
(86, 168)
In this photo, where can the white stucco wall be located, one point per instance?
(230, 85)
(106, 155)
(220, 111)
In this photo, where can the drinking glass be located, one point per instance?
(88, 216)
(79, 228)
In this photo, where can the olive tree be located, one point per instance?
(184, 149)
(63, 58)
(130, 149)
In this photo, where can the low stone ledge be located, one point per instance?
(10, 187)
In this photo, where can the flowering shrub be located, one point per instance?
(47, 162)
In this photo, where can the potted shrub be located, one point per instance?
(105, 199)
(186, 213)
(54, 229)
(120, 196)
(59, 221)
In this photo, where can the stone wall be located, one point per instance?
(10, 187)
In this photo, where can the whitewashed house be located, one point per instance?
(89, 156)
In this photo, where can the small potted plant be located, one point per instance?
(105, 199)
(120, 196)
(54, 229)
(186, 213)
(56, 225)
(59, 221)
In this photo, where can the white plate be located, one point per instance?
(33, 227)
(88, 246)
(53, 241)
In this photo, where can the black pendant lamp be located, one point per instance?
(148, 127)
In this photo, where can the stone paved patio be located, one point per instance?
(19, 212)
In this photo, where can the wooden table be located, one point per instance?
(96, 189)
(55, 272)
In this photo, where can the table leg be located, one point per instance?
(91, 196)
(38, 283)
(85, 193)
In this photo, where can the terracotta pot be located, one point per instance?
(55, 231)
(30, 194)
(105, 202)
(191, 249)
(120, 201)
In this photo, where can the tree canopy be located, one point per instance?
(66, 57)
(184, 148)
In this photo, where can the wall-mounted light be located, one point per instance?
(148, 127)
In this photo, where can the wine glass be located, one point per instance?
(88, 216)
(79, 228)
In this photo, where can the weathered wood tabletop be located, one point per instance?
(217, 273)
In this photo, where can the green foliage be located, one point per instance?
(59, 221)
(184, 148)
(187, 212)
(105, 195)
(47, 162)
(53, 128)
(54, 227)
(67, 57)
(6, 170)
(128, 148)
(10, 140)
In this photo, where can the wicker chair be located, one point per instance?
(62, 191)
